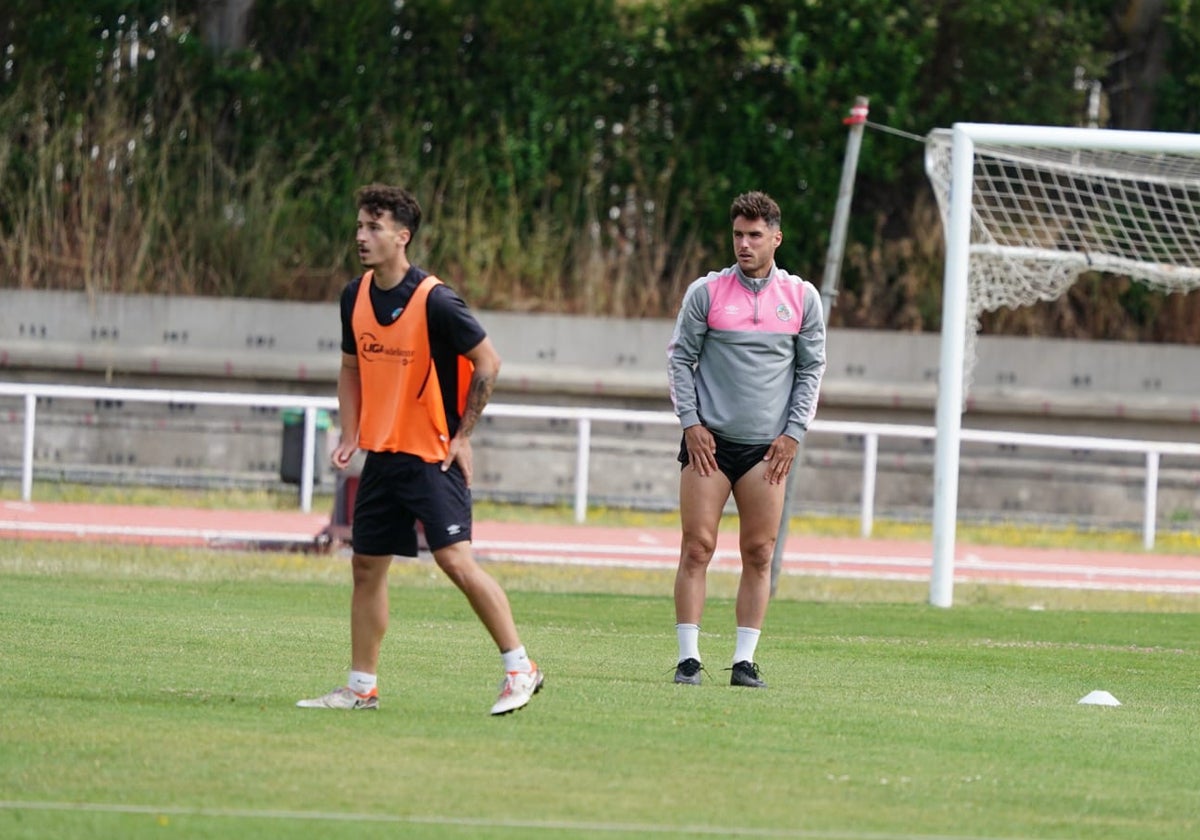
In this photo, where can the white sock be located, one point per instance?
(361, 682)
(747, 641)
(516, 660)
(689, 641)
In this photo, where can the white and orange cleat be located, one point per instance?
(517, 689)
(343, 698)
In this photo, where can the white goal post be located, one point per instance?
(1026, 211)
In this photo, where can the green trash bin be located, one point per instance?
(291, 456)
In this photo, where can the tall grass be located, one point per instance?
(141, 178)
(104, 200)
(112, 200)
(555, 246)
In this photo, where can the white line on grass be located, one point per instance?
(535, 825)
(858, 567)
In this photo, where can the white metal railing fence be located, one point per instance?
(584, 417)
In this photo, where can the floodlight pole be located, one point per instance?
(833, 268)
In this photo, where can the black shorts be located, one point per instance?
(733, 459)
(395, 492)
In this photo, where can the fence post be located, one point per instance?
(870, 468)
(1150, 513)
(27, 448)
(306, 459)
(582, 457)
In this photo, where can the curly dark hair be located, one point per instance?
(756, 205)
(378, 199)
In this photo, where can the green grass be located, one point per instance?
(148, 693)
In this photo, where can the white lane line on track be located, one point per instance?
(859, 567)
(535, 825)
(80, 529)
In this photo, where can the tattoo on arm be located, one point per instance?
(478, 395)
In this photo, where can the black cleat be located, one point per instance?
(745, 674)
(688, 671)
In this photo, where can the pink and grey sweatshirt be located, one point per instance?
(747, 355)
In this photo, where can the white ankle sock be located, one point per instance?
(516, 660)
(689, 641)
(747, 642)
(361, 682)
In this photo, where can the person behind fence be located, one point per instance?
(417, 370)
(745, 363)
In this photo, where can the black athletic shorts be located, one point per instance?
(733, 459)
(396, 491)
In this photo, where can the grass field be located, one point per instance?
(149, 693)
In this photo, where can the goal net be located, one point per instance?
(1026, 211)
(1043, 212)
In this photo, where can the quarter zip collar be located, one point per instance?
(754, 285)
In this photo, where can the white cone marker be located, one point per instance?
(1099, 698)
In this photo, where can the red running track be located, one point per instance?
(616, 546)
